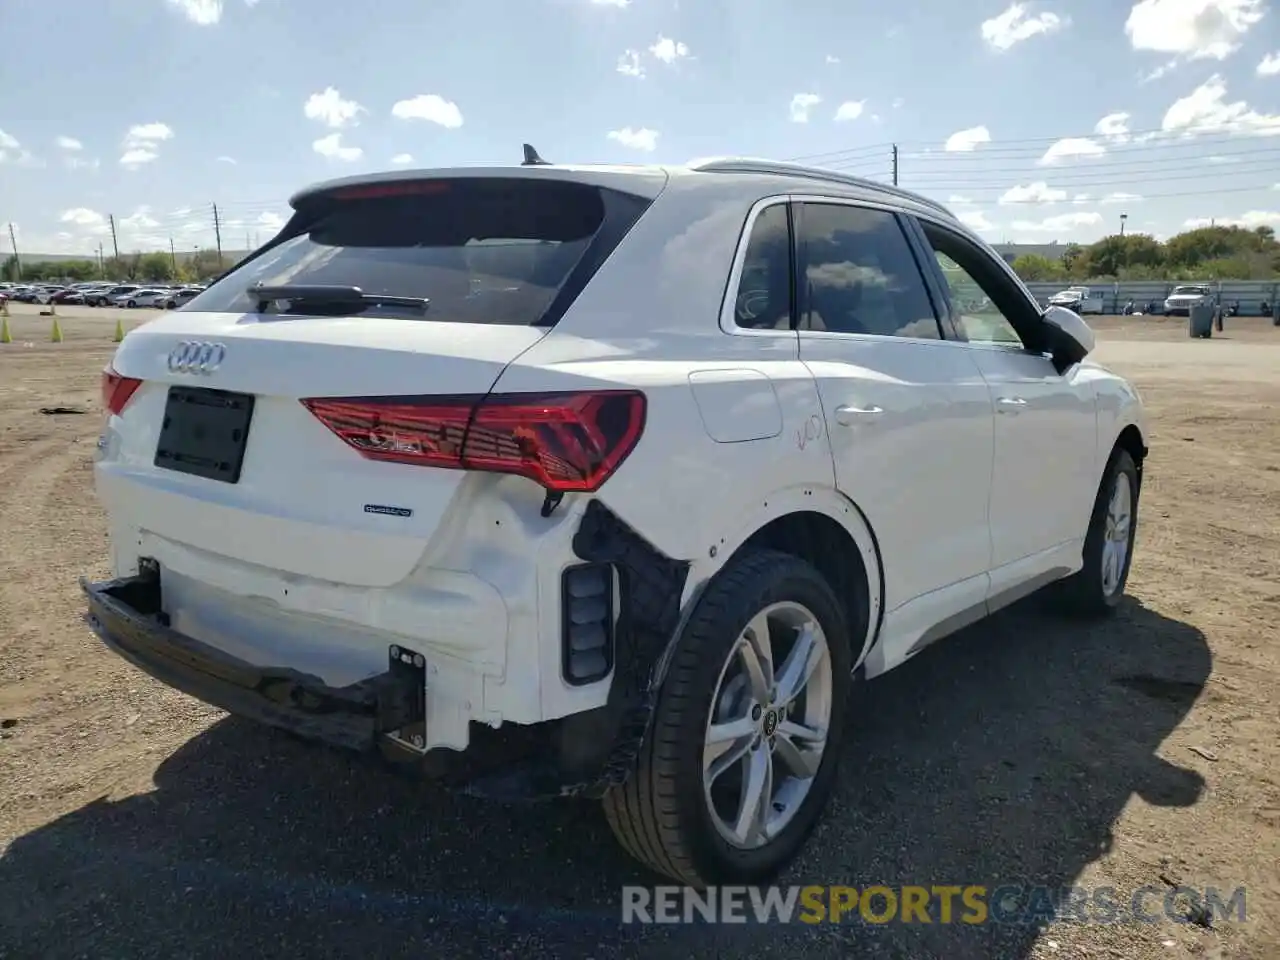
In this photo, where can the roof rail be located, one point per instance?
(783, 168)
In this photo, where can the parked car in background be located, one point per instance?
(46, 293)
(68, 296)
(142, 297)
(1183, 298)
(177, 298)
(1080, 299)
(105, 297)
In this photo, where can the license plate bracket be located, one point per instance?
(205, 432)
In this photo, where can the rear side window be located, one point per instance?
(764, 293)
(481, 250)
(860, 276)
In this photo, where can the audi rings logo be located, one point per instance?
(196, 356)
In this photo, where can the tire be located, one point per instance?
(661, 815)
(1091, 592)
(132, 304)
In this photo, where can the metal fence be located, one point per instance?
(1251, 294)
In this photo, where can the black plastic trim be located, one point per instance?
(566, 623)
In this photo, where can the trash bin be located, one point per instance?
(1200, 322)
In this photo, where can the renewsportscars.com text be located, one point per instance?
(940, 904)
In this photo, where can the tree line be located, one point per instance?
(1207, 253)
(195, 267)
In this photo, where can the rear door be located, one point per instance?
(1045, 425)
(907, 411)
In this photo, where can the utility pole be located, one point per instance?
(102, 271)
(895, 164)
(17, 260)
(173, 258)
(217, 235)
(115, 243)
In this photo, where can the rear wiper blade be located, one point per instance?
(335, 295)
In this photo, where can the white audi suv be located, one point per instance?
(604, 481)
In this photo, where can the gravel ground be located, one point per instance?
(136, 822)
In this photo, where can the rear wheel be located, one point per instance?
(1097, 588)
(746, 738)
(131, 304)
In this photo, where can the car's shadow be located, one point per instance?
(1003, 755)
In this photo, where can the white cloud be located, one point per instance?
(801, 104)
(668, 50)
(88, 220)
(629, 64)
(975, 220)
(1158, 72)
(331, 108)
(1114, 126)
(1205, 110)
(850, 110)
(1250, 221)
(142, 142)
(333, 148)
(430, 107)
(1080, 198)
(611, 3)
(1059, 223)
(400, 159)
(968, 140)
(204, 13)
(1195, 29)
(1119, 196)
(224, 159)
(956, 200)
(140, 219)
(1269, 65)
(1038, 192)
(69, 143)
(270, 221)
(11, 151)
(1015, 25)
(641, 139)
(1069, 147)
(831, 58)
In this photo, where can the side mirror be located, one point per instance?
(1067, 336)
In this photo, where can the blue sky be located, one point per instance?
(1036, 121)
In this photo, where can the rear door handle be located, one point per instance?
(848, 415)
(1011, 404)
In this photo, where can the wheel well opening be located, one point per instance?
(822, 542)
(1130, 441)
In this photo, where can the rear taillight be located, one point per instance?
(566, 442)
(117, 390)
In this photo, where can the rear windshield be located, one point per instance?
(1187, 290)
(505, 251)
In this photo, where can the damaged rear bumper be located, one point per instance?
(127, 616)
(579, 755)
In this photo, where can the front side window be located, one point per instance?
(974, 290)
(859, 275)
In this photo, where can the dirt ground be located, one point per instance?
(136, 822)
